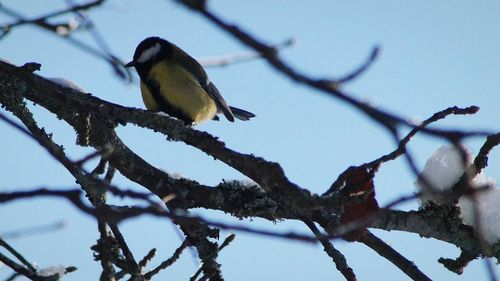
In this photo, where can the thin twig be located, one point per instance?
(108, 271)
(20, 110)
(337, 257)
(116, 63)
(33, 230)
(135, 271)
(226, 242)
(88, 157)
(386, 251)
(13, 276)
(240, 57)
(16, 254)
(481, 160)
(118, 214)
(147, 258)
(361, 69)
(103, 54)
(401, 149)
(17, 126)
(168, 262)
(388, 120)
(74, 8)
(32, 275)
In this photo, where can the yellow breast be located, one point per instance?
(181, 91)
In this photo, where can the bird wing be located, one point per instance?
(194, 67)
(219, 100)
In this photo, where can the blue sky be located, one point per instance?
(433, 55)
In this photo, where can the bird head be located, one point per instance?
(151, 50)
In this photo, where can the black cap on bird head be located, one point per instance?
(149, 51)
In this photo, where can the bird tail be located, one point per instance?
(241, 114)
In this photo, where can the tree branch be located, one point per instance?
(439, 222)
(386, 251)
(32, 275)
(388, 120)
(168, 262)
(337, 257)
(16, 254)
(277, 199)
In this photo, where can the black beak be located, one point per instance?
(130, 64)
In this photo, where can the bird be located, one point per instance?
(175, 83)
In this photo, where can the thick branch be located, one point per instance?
(440, 223)
(95, 119)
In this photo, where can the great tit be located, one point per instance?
(175, 83)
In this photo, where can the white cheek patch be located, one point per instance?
(149, 53)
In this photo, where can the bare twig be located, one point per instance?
(401, 149)
(147, 258)
(116, 63)
(388, 120)
(32, 275)
(104, 153)
(224, 244)
(17, 126)
(45, 140)
(103, 53)
(44, 18)
(16, 254)
(270, 174)
(337, 257)
(361, 69)
(134, 269)
(199, 195)
(458, 264)
(108, 271)
(33, 230)
(386, 251)
(124, 193)
(115, 213)
(481, 160)
(227, 241)
(13, 276)
(241, 57)
(168, 262)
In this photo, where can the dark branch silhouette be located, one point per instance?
(273, 196)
